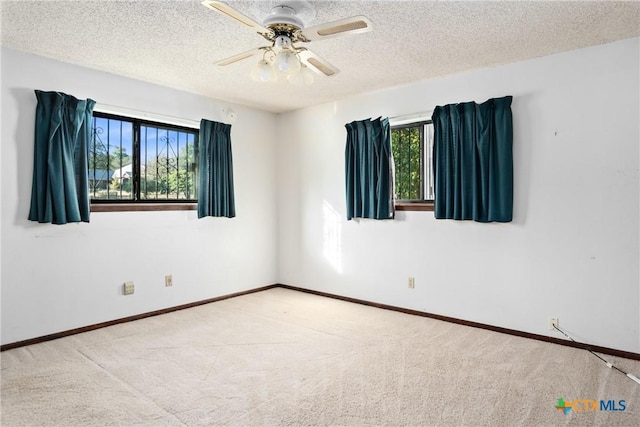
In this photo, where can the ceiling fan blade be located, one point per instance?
(239, 57)
(316, 63)
(353, 25)
(224, 8)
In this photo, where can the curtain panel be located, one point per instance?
(369, 169)
(215, 171)
(60, 186)
(473, 161)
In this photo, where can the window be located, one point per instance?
(133, 161)
(412, 148)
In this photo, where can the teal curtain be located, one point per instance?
(60, 187)
(473, 161)
(215, 189)
(368, 169)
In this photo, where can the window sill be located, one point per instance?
(417, 206)
(142, 207)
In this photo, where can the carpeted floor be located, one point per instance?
(282, 357)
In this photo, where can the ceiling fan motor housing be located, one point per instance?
(283, 14)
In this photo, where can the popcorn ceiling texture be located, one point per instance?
(176, 43)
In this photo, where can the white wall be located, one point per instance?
(571, 251)
(572, 248)
(56, 278)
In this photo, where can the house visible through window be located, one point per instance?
(412, 148)
(132, 160)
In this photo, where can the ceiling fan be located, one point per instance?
(284, 28)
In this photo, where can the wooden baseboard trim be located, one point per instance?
(63, 334)
(594, 348)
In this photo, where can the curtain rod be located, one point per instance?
(130, 112)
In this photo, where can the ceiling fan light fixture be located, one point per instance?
(307, 75)
(282, 42)
(287, 62)
(263, 72)
(284, 26)
(303, 78)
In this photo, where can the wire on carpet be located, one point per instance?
(609, 364)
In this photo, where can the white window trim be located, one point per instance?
(410, 118)
(153, 117)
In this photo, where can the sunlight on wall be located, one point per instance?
(331, 236)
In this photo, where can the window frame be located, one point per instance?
(424, 205)
(124, 205)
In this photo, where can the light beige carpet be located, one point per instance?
(282, 357)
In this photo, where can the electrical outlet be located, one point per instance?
(127, 288)
(553, 323)
(168, 280)
(411, 282)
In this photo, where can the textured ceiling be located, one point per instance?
(176, 43)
